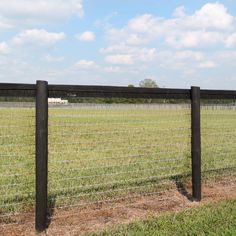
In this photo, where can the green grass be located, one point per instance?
(105, 153)
(215, 219)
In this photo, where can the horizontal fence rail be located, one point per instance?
(91, 155)
(29, 90)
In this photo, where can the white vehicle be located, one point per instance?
(57, 101)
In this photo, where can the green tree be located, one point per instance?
(148, 83)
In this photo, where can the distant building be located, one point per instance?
(57, 101)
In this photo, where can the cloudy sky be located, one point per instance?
(120, 42)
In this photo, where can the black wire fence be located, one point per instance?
(218, 122)
(101, 154)
(17, 158)
(67, 147)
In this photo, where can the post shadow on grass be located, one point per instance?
(179, 182)
(51, 208)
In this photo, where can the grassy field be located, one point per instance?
(102, 153)
(214, 219)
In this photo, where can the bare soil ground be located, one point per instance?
(77, 221)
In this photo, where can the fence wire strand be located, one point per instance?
(218, 140)
(102, 154)
(17, 147)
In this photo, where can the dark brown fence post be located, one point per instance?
(196, 143)
(41, 155)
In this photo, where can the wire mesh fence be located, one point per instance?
(103, 154)
(17, 151)
(218, 140)
(129, 152)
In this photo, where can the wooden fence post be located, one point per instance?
(196, 143)
(41, 141)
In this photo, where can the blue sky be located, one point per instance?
(102, 42)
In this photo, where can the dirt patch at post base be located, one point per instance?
(77, 221)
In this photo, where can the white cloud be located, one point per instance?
(226, 55)
(113, 69)
(192, 39)
(50, 58)
(4, 25)
(231, 41)
(179, 12)
(115, 35)
(122, 48)
(189, 55)
(143, 23)
(120, 59)
(135, 39)
(209, 25)
(140, 30)
(127, 55)
(85, 64)
(188, 61)
(207, 65)
(184, 42)
(39, 11)
(145, 54)
(4, 48)
(212, 15)
(105, 23)
(87, 36)
(172, 48)
(39, 36)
